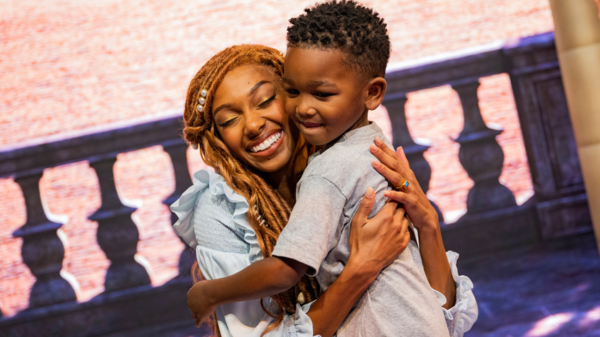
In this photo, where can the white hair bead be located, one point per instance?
(301, 299)
(202, 101)
(200, 108)
(203, 93)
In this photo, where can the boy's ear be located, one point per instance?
(375, 92)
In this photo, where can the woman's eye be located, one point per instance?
(266, 102)
(227, 122)
(292, 92)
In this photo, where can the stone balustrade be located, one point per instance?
(493, 220)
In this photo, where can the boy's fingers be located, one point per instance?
(399, 212)
(390, 175)
(366, 205)
(389, 208)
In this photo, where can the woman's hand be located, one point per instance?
(199, 303)
(376, 243)
(395, 168)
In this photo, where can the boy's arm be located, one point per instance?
(261, 279)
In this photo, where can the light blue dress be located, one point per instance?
(212, 220)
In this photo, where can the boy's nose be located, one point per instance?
(304, 111)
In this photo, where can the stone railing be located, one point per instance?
(128, 298)
(493, 220)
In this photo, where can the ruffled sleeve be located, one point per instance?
(207, 186)
(296, 325)
(461, 317)
(212, 220)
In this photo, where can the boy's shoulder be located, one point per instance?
(348, 160)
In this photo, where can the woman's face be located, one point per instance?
(249, 113)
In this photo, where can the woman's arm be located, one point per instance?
(373, 246)
(437, 269)
(261, 279)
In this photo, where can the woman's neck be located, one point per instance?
(282, 182)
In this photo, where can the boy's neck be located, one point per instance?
(363, 120)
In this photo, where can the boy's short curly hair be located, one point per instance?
(356, 30)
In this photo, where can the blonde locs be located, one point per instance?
(200, 129)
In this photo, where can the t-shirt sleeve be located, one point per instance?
(314, 225)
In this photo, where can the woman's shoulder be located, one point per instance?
(212, 215)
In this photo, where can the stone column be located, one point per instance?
(117, 234)
(395, 104)
(42, 250)
(577, 32)
(481, 155)
(178, 154)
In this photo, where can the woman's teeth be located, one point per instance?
(267, 143)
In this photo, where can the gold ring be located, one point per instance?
(403, 186)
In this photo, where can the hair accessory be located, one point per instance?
(202, 100)
(194, 146)
(403, 186)
(259, 217)
(301, 300)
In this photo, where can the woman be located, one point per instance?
(235, 113)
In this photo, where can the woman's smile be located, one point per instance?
(268, 146)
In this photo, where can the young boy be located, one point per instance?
(334, 67)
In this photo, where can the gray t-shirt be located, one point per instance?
(400, 301)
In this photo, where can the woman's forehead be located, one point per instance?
(242, 82)
(248, 72)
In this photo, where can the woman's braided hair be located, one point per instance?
(265, 203)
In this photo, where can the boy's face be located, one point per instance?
(324, 97)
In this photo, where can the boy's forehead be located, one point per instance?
(314, 66)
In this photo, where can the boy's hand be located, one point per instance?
(199, 303)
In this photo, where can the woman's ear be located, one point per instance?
(375, 92)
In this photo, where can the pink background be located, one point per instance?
(70, 65)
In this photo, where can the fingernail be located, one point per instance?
(373, 148)
(377, 141)
(376, 163)
(370, 193)
(386, 193)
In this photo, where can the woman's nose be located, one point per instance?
(255, 124)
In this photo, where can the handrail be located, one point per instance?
(93, 144)
(470, 65)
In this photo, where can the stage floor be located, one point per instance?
(548, 293)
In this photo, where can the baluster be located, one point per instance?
(178, 154)
(395, 104)
(42, 250)
(117, 234)
(481, 155)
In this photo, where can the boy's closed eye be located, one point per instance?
(292, 92)
(323, 94)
